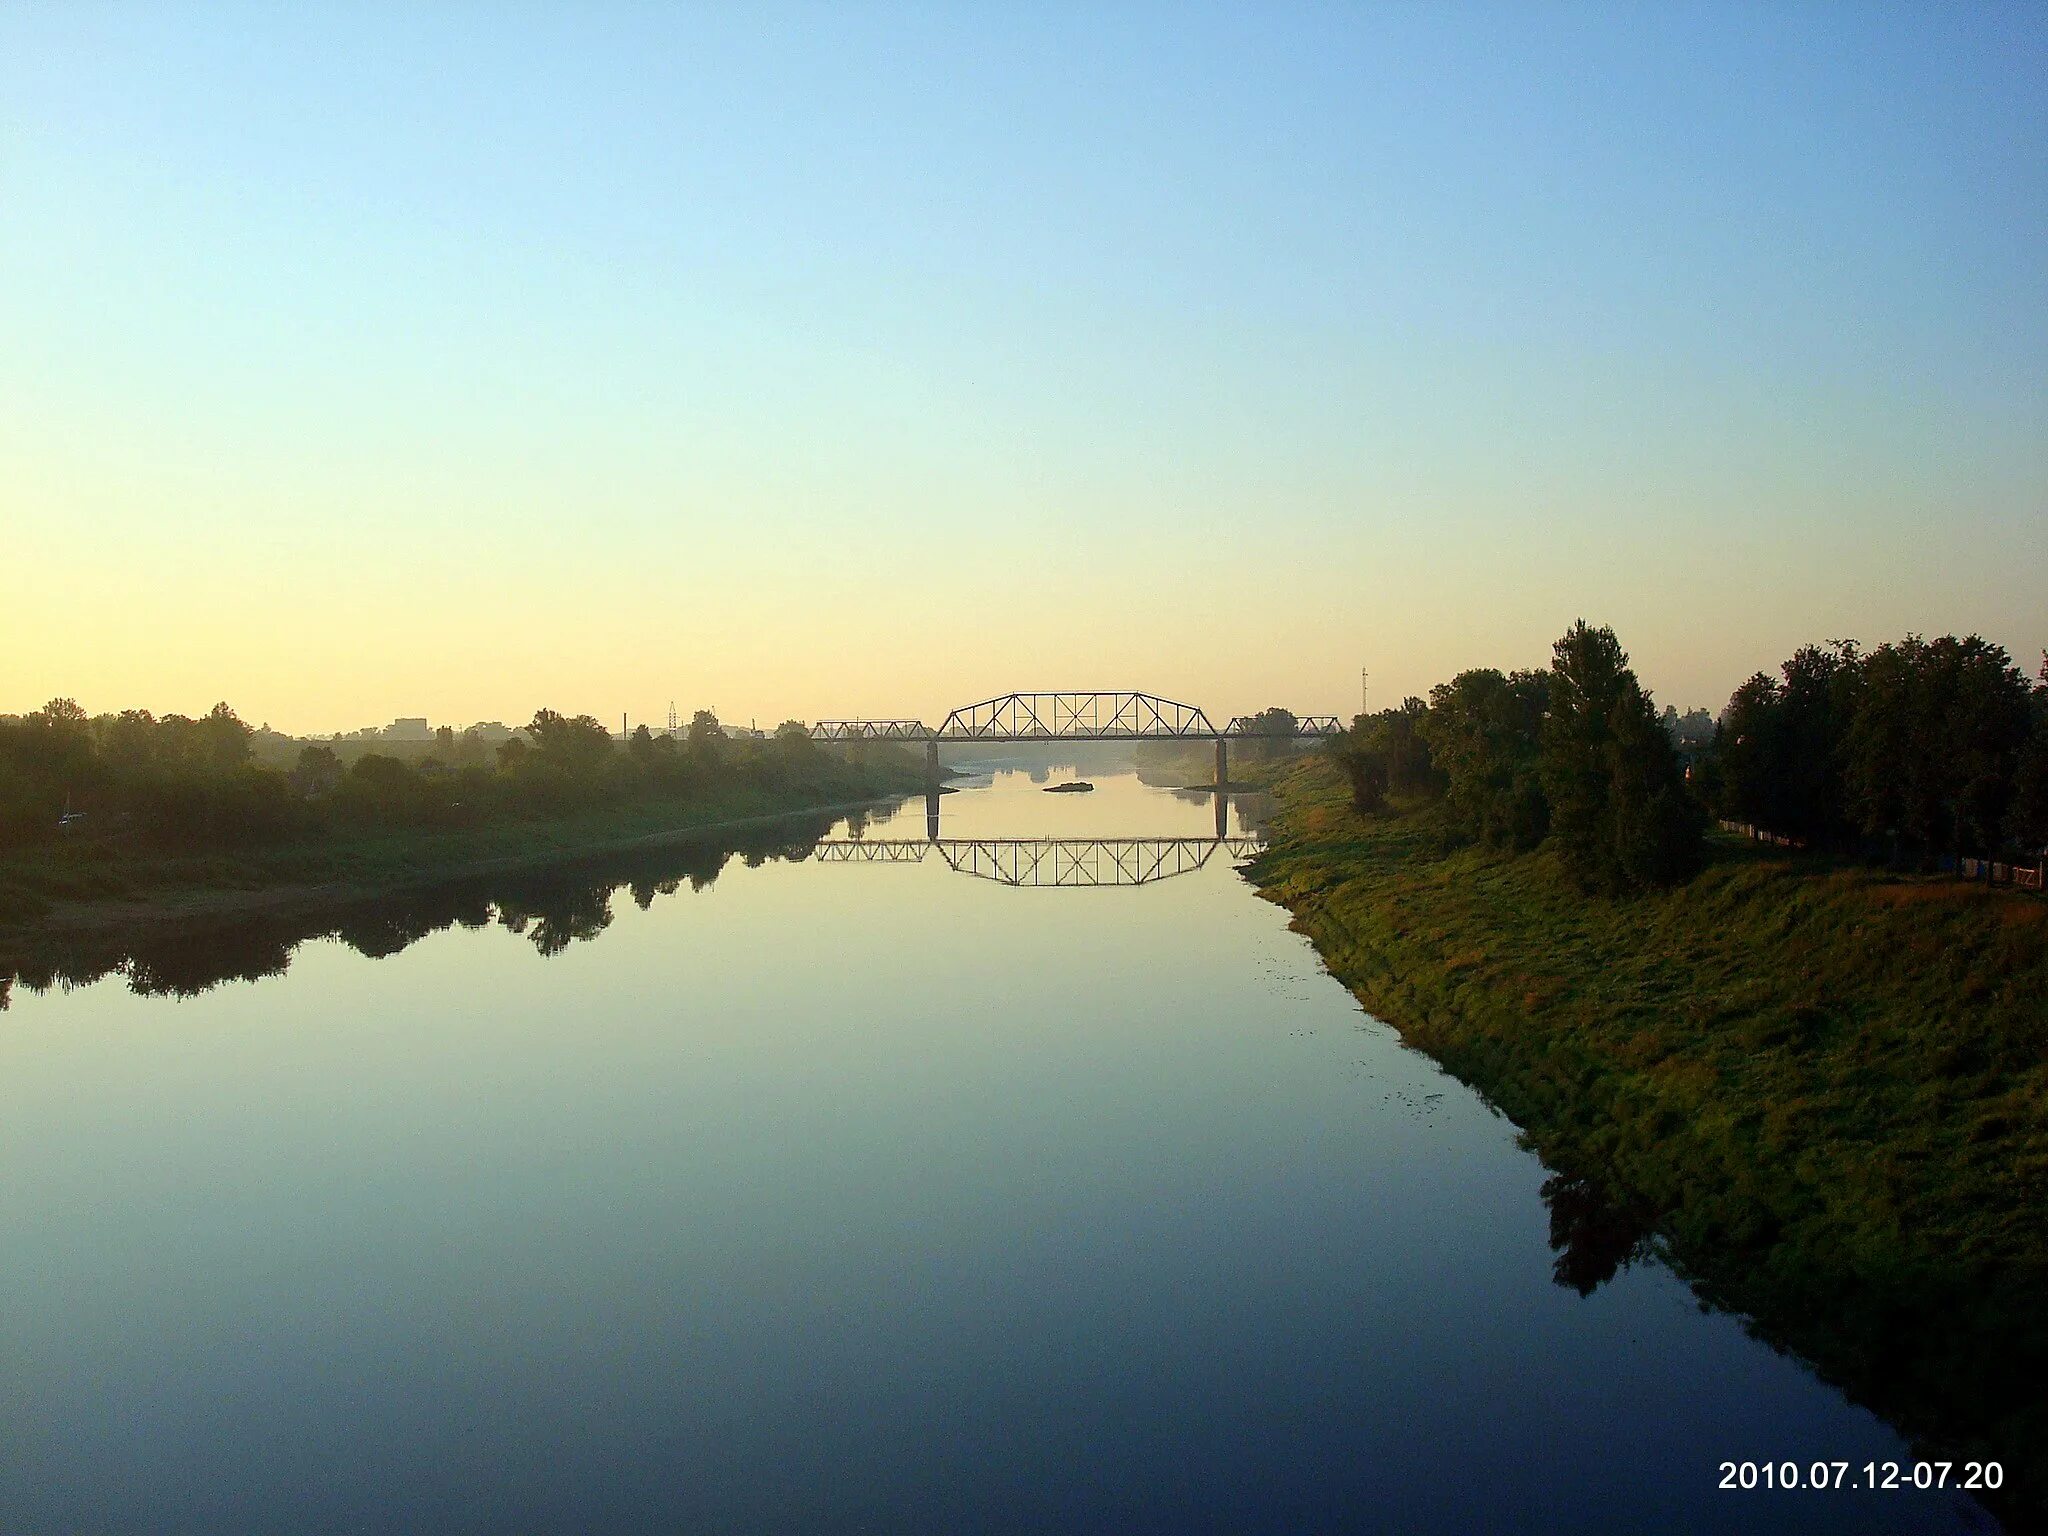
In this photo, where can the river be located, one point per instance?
(822, 1192)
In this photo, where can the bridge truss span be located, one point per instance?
(1077, 717)
(1074, 717)
(1062, 862)
(871, 730)
(1306, 728)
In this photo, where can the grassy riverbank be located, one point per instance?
(109, 881)
(1824, 1089)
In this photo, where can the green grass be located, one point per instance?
(1829, 1085)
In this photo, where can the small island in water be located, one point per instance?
(1078, 787)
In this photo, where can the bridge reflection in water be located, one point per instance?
(1047, 861)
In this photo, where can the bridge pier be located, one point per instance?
(931, 789)
(1222, 787)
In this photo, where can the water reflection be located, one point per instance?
(553, 907)
(1593, 1236)
(1095, 1214)
(566, 903)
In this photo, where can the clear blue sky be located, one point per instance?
(362, 360)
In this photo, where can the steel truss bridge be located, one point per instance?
(1048, 861)
(1075, 717)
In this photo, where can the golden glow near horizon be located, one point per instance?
(667, 360)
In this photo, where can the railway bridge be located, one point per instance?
(1075, 716)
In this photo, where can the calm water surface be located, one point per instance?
(842, 1197)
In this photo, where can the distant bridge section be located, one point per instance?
(1306, 728)
(871, 730)
(1048, 861)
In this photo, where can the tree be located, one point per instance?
(226, 738)
(2027, 818)
(1749, 751)
(128, 743)
(707, 738)
(1482, 731)
(59, 746)
(1272, 734)
(793, 741)
(1363, 763)
(317, 772)
(576, 747)
(60, 715)
(382, 788)
(1619, 811)
(1932, 753)
(1386, 752)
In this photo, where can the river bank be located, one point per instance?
(95, 889)
(1819, 1091)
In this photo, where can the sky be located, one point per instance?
(360, 361)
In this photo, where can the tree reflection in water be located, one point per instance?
(553, 907)
(1593, 1237)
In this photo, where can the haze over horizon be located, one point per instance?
(810, 362)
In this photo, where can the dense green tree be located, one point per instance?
(1364, 766)
(2027, 819)
(1931, 754)
(1482, 730)
(1749, 749)
(225, 738)
(707, 739)
(382, 789)
(1387, 752)
(793, 744)
(641, 749)
(577, 747)
(60, 738)
(317, 772)
(1272, 735)
(1619, 811)
(1780, 753)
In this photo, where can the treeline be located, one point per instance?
(183, 784)
(1909, 752)
(1914, 750)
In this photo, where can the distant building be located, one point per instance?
(409, 728)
